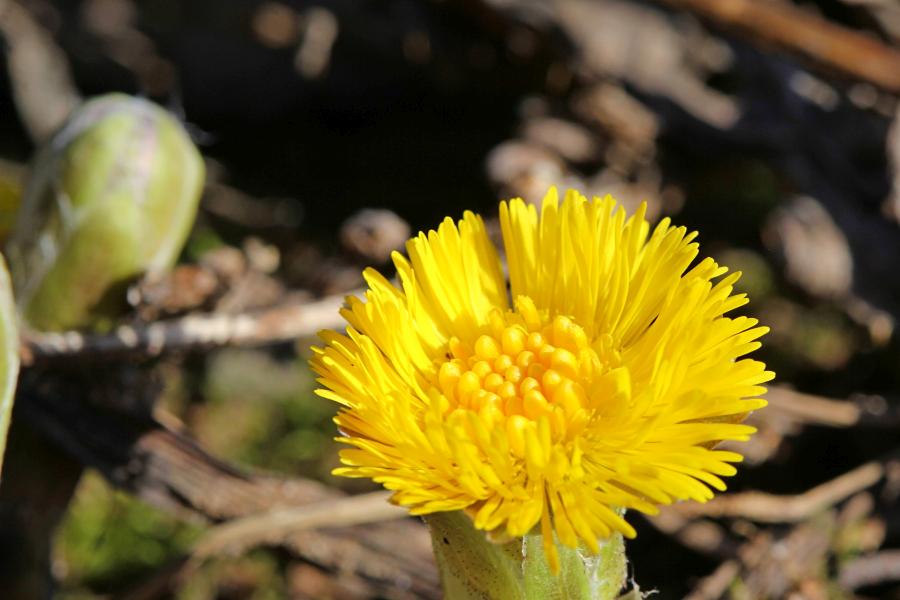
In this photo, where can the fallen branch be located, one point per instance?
(871, 569)
(786, 27)
(819, 410)
(771, 508)
(276, 526)
(192, 332)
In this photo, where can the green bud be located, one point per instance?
(112, 195)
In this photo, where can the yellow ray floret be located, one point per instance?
(601, 381)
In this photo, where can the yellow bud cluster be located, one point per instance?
(521, 372)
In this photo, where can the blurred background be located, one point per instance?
(331, 131)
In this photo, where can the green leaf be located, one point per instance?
(9, 356)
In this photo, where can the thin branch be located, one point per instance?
(786, 27)
(278, 324)
(872, 569)
(870, 411)
(771, 508)
(276, 526)
(808, 408)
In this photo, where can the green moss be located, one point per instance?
(109, 538)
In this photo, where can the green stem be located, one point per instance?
(472, 568)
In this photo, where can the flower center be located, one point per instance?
(525, 369)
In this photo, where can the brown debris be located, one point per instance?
(373, 234)
(42, 102)
(573, 142)
(815, 250)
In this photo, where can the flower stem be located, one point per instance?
(473, 568)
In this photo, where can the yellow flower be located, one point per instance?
(601, 380)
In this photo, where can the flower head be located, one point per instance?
(601, 380)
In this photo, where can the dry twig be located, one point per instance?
(871, 569)
(825, 44)
(276, 526)
(273, 325)
(771, 508)
(819, 410)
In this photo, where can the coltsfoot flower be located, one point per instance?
(600, 380)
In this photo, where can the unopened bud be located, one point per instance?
(112, 195)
